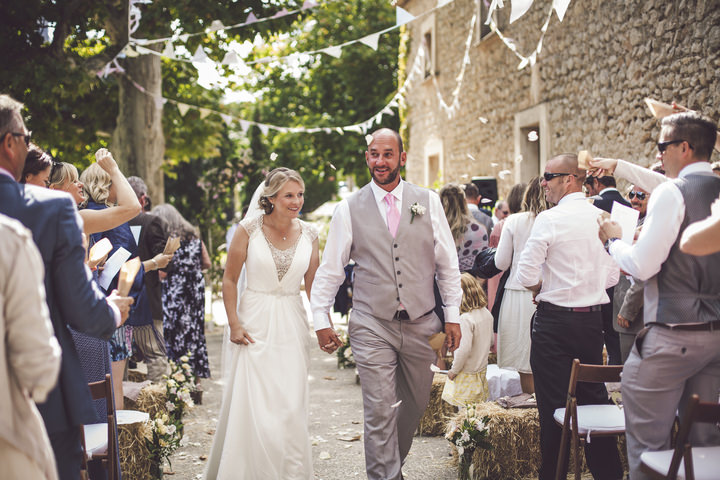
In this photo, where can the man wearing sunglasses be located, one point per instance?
(678, 353)
(73, 300)
(566, 266)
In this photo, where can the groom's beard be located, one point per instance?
(390, 178)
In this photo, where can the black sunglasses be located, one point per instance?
(53, 170)
(549, 176)
(26, 137)
(639, 195)
(662, 146)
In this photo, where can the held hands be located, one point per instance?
(608, 228)
(602, 166)
(123, 304)
(451, 376)
(623, 322)
(106, 161)
(452, 330)
(239, 335)
(328, 340)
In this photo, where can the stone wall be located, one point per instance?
(594, 71)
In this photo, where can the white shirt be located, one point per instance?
(564, 251)
(336, 255)
(514, 236)
(665, 213)
(639, 176)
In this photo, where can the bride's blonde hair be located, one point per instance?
(274, 182)
(96, 184)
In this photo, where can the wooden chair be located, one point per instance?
(699, 463)
(99, 439)
(579, 423)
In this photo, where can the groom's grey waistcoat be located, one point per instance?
(390, 270)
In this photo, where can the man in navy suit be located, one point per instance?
(73, 298)
(603, 195)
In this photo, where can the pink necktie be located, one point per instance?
(393, 214)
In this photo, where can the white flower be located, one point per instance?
(465, 437)
(170, 406)
(162, 429)
(416, 209)
(184, 359)
(461, 450)
(171, 429)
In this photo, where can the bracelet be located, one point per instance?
(154, 263)
(610, 242)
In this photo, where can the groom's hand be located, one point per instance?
(328, 340)
(452, 330)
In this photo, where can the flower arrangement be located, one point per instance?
(416, 209)
(180, 386)
(166, 433)
(468, 433)
(344, 353)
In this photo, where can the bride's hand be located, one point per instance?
(240, 336)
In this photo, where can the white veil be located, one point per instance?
(253, 211)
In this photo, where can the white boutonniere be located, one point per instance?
(416, 209)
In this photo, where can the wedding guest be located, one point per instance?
(517, 307)
(473, 198)
(565, 265)
(501, 211)
(29, 356)
(393, 303)
(263, 423)
(679, 354)
(101, 193)
(183, 293)
(470, 236)
(467, 379)
(73, 299)
(37, 167)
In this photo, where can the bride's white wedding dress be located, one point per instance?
(262, 429)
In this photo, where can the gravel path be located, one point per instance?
(335, 427)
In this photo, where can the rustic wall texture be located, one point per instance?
(594, 71)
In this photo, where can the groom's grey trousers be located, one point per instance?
(393, 359)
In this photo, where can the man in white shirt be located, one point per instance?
(678, 353)
(400, 240)
(566, 266)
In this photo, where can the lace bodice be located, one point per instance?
(282, 258)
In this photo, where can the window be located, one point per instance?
(428, 44)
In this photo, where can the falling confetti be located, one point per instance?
(395, 405)
(483, 119)
(532, 136)
(368, 139)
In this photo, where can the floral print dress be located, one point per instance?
(183, 300)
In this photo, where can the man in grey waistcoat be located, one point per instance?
(400, 240)
(678, 352)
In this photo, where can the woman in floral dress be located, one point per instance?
(183, 294)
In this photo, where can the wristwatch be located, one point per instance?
(610, 242)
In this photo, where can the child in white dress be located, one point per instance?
(467, 381)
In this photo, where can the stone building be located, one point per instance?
(585, 91)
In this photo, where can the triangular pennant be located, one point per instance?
(129, 52)
(200, 55)
(402, 16)
(142, 50)
(309, 4)
(524, 63)
(518, 8)
(251, 19)
(281, 13)
(231, 58)
(244, 124)
(226, 118)
(169, 50)
(442, 3)
(327, 130)
(159, 102)
(184, 37)
(371, 40)
(263, 128)
(333, 51)
(183, 108)
(216, 25)
(340, 130)
(204, 112)
(561, 7)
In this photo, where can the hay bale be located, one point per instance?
(437, 413)
(136, 376)
(151, 399)
(515, 436)
(135, 461)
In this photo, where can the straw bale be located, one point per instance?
(438, 412)
(135, 461)
(136, 376)
(151, 399)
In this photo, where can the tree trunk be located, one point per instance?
(138, 140)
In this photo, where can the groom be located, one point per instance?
(400, 240)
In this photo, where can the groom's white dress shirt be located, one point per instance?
(337, 254)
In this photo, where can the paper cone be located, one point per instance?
(127, 275)
(436, 341)
(659, 109)
(98, 252)
(172, 244)
(584, 158)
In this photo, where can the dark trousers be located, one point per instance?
(558, 338)
(68, 451)
(610, 336)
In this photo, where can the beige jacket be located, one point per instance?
(471, 356)
(29, 352)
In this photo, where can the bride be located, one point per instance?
(262, 430)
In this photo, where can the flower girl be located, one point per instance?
(466, 381)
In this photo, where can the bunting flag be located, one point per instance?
(183, 108)
(169, 50)
(371, 40)
(402, 16)
(451, 109)
(200, 56)
(333, 51)
(561, 7)
(518, 8)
